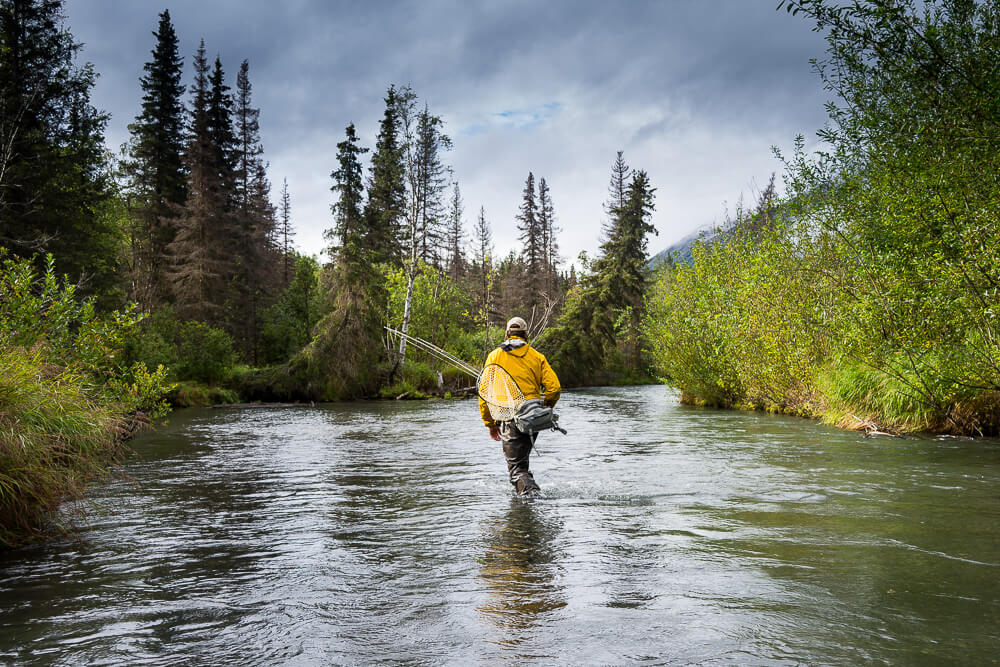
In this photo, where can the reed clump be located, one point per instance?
(54, 439)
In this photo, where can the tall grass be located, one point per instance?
(54, 439)
(68, 398)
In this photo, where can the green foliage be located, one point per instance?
(68, 395)
(205, 353)
(192, 351)
(878, 307)
(288, 324)
(440, 311)
(740, 325)
(44, 312)
(346, 357)
(53, 165)
(576, 345)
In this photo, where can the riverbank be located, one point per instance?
(57, 436)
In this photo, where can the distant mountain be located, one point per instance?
(681, 251)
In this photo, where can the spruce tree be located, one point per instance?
(285, 233)
(385, 209)
(550, 247)
(617, 192)
(352, 243)
(248, 149)
(254, 223)
(483, 263)
(623, 270)
(358, 293)
(598, 329)
(53, 173)
(221, 132)
(455, 235)
(155, 167)
(532, 249)
(200, 253)
(431, 179)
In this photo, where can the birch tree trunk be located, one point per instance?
(407, 103)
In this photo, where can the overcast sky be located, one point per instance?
(694, 91)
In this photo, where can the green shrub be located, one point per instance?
(192, 394)
(205, 354)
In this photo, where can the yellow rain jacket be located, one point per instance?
(530, 370)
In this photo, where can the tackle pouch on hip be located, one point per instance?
(534, 416)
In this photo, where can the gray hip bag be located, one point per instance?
(533, 416)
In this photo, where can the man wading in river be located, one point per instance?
(533, 375)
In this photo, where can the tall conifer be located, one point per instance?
(617, 192)
(156, 167)
(221, 132)
(483, 262)
(532, 248)
(253, 217)
(431, 180)
(53, 170)
(550, 247)
(455, 235)
(386, 205)
(285, 233)
(598, 330)
(350, 235)
(200, 261)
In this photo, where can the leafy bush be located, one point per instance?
(205, 354)
(878, 306)
(190, 351)
(288, 324)
(440, 310)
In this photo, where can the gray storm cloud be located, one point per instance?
(696, 93)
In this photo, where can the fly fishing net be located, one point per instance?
(500, 392)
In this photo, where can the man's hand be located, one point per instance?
(495, 432)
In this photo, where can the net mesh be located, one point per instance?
(500, 392)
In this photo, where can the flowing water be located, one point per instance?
(386, 532)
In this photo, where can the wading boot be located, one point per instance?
(526, 486)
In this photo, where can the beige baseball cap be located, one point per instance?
(517, 325)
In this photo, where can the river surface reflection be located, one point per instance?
(385, 532)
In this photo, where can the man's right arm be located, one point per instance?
(550, 383)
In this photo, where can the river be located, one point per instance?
(386, 532)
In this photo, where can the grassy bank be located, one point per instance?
(55, 438)
(68, 399)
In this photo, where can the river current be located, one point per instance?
(386, 533)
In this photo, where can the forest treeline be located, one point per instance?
(869, 295)
(168, 272)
